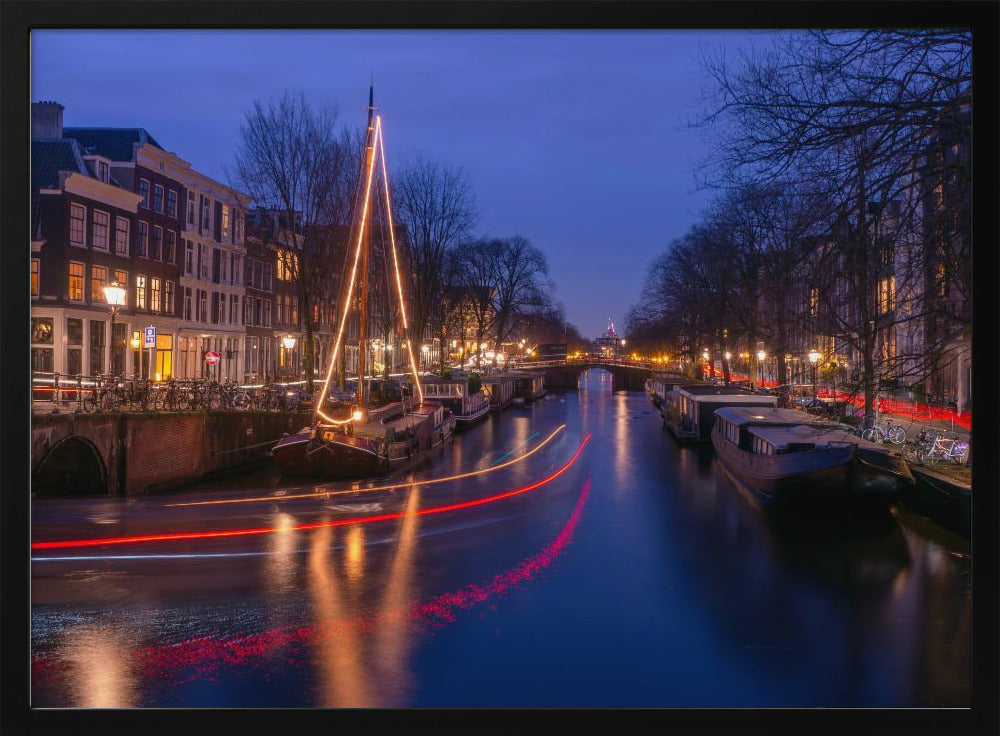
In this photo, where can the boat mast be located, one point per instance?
(366, 247)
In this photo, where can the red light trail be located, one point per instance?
(202, 656)
(100, 541)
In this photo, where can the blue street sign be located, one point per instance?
(150, 341)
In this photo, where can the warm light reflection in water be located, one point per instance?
(281, 559)
(337, 645)
(100, 668)
(361, 659)
(354, 554)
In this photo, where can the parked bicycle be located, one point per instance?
(943, 448)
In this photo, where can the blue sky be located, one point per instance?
(576, 140)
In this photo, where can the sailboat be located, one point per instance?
(357, 440)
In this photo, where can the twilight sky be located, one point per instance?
(574, 139)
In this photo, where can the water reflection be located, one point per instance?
(100, 667)
(341, 678)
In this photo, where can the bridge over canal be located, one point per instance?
(628, 375)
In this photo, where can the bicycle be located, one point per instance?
(944, 448)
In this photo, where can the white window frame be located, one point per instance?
(163, 194)
(83, 226)
(119, 231)
(145, 197)
(107, 230)
(83, 280)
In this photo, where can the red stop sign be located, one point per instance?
(212, 357)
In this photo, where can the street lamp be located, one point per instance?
(114, 295)
(288, 343)
(760, 362)
(814, 357)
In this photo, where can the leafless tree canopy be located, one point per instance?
(827, 144)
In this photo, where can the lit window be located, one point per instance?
(140, 292)
(98, 280)
(225, 220)
(121, 277)
(34, 277)
(154, 294)
(75, 281)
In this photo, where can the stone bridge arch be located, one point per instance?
(566, 375)
(73, 466)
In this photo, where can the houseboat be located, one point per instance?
(462, 395)
(499, 388)
(528, 386)
(689, 411)
(659, 385)
(791, 460)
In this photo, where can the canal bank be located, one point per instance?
(128, 454)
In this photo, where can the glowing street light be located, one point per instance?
(814, 357)
(288, 341)
(114, 295)
(760, 361)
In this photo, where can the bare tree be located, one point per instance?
(479, 264)
(521, 287)
(854, 111)
(437, 208)
(290, 160)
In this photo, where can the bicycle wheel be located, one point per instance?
(872, 435)
(91, 401)
(241, 402)
(896, 435)
(929, 457)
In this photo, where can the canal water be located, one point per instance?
(635, 576)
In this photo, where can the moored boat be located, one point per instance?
(463, 396)
(794, 461)
(358, 440)
(689, 411)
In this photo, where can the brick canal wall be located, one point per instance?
(131, 454)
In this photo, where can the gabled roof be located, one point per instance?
(49, 157)
(116, 144)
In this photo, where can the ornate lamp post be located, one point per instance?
(760, 362)
(814, 357)
(114, 295)
(288, 342)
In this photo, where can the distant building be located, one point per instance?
(610, 344)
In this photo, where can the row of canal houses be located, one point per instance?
(199, 265)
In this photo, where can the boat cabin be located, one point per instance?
(774, 431)
(529, 385)
(500, 389)
(695, 406)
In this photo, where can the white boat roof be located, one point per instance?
(727, 394)
(781, 437)
(765, 415)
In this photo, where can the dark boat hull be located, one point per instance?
(941, 499)
(831, 479)
(345, 457)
